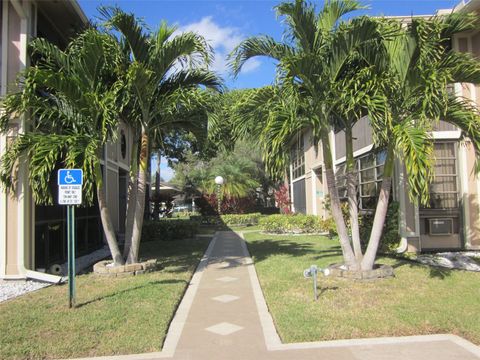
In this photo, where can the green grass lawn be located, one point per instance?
(419, 300)
(114, 315)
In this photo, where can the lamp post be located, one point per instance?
(219, 181)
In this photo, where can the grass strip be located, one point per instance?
(419, 300)
(113, 316)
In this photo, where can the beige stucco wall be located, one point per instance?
(313, 187)
(15, 216)
(473, 231)
(441, 242)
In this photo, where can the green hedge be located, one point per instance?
(168, 229)
(241, 219)
(297, 223)
(230, 219)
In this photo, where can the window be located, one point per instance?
(370, 178)
(341, 181)
(370, 172)
(298, 158)
(444, 189)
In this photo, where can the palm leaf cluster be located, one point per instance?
(71, 97)
(119, 72)
(330, 73)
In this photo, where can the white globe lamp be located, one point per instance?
(219, 181)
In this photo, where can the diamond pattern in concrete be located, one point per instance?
(224, 328)
(225, 298)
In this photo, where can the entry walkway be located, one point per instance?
(223, 315)
(228, 319)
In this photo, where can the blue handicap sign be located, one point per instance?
(70, 177)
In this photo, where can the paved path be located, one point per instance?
(224, 316)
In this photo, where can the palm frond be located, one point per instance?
(130, 28)
(301, 20)
(333, 11)
(184, 50)
(258, 46)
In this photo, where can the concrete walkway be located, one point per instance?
(224, 316)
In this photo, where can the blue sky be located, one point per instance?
(225, 23)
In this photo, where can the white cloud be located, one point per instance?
(223, 40)
(251, 65)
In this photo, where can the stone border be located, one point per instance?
(102, 268)
(379, 272)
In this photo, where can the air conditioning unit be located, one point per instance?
(441, 226)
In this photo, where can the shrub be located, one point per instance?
(390, 236)
(282, 199)
(228, 219)
(297, 224)
(241, 219)
(168, 229)
(208, 205)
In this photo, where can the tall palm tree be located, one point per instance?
(418, 67)
(312, 62)
(71, 97)
(158, 65)
(396, 75)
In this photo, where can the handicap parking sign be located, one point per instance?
(70, 186)
(70, 177)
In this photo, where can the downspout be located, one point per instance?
(403, 246)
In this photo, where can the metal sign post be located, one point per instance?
(71, 255)
(70, 183)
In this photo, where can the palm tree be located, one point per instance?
(419, 66)
(158, 65)
(320, 50)
(71, 95)
(331, 76)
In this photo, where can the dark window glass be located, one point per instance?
(444, 189)
(298, 158)
(370, 172)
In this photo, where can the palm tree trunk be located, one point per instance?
(380, 212)
(348, 255)
(107, 225)
(352, 194)
(132, 200)
(140, 201)
(156, 208)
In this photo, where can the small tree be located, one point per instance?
(158, 66)
(71, 97)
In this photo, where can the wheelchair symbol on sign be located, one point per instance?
(69, 179)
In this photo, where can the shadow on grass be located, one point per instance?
(325, 289)
(263, 249)
(121, 292)
(435, 272)
(177, 264)
(334, 251)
